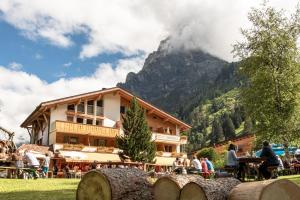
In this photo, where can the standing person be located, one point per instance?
(32, 162)
(46, 164)
(271, 160)
(196, 164)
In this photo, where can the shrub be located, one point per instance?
(209, 153)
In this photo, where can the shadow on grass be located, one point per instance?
(67, 194)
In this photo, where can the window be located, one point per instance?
(99, 108)
(66, 139)
(73, 140)
(90, 107)
(80, 107)
(89, 121)
(71, 107)
(168, 148)
(99, 142)
(99, 122)
(122, 109)
(70, 118)
(79, 120)
(100, 103)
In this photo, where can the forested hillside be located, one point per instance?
(194, 86)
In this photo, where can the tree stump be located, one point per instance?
(265, 190)
(201, 189)
(168, 187)
(115, 184)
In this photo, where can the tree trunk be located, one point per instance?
(115, 184)
(168, 187)
(200, 189)
(265, 190)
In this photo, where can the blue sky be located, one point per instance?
(47, 61)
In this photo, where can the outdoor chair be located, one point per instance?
(274, 171)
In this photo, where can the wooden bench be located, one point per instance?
(230, 170)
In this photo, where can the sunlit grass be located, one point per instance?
(52, 189)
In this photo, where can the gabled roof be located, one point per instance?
(40, 109)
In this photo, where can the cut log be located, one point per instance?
(168, 187)
(115, 184)
(265, 190)
(200, 189)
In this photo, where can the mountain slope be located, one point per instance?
(178, 81)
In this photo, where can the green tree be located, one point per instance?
(236, 117)
(217, 134)
(228, 127)
(248, 126)
(270, 63)
(136, 142)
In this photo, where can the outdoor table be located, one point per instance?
(255, 163)
(11, 170)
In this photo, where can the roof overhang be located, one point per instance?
(123, 93)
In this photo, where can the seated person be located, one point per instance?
(196, 164)
(204, 168)
(210, 166)
(177, 167)
(280, 166)
(271, 160)
(232, 161)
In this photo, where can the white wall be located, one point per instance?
(58, 113)
(111, 105)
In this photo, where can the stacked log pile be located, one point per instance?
(169, 187)
(218, 189)
(132, 184)
(114, 184)
(265, 190)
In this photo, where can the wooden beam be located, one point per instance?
(166, 120)
(99, 97)
(46, 119)
(78, 102)
(151, 111)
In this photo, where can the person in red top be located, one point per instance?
(205, 172)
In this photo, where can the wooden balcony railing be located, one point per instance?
(83, 129)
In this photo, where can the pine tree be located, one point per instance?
(236, 118)
(136, 142)
(228, 127)
(217, 134)
(248, 126)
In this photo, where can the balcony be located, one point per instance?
(83, 129)
(158, 137)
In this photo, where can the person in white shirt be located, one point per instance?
(32, 162)
(196, 164)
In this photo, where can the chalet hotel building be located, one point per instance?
(84, 126)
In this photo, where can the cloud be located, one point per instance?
(38, 56)
(21, 92)
(131, 26)
(68, 64)
(15, 66)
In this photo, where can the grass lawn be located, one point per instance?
(294, 178)
(48, 189)
(53, 189)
